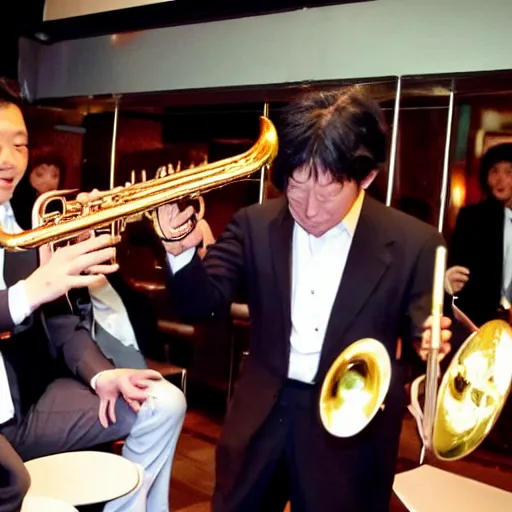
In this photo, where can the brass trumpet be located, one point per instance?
(355, 387)
(114, 208)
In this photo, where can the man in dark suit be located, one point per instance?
(58, 392)
(480, 263)
(320, 269)
(480, 255)
(121, 321)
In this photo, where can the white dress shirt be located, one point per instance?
(110, 312)
(318, 264)
(317, 268)
(507, 256)
(18, 307)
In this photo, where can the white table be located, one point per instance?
(42, 504)
(82, 478)
(429, 489)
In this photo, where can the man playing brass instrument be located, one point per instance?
(58, 392)
(321, 268)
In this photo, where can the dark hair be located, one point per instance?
(340, 133)
(47, 156)
(8, 94)
(493, 156)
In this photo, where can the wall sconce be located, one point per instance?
(458, 190)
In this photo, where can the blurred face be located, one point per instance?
(318, 204)
(13, 150)
(45, 178)
(499, 180)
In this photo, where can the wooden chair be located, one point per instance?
(169, 370)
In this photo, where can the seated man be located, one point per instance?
(58, 391)
(120, 320)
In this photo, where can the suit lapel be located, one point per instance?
(367, 262)
(281, 235)
(494, 251)
(19, 265)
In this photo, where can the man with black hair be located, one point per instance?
(58, 392)
(321, 268)
(480, 255)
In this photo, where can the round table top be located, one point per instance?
(43, 504)
(82, 478)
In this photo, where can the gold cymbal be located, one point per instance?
(473, 391)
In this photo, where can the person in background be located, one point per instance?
(46, 172)
(321, 268)
(479, 270)
(58, 391)
(121, 319)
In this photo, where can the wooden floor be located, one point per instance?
(192, 479)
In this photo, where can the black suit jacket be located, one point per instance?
(48, 341)
(477, 244)
(385, 293)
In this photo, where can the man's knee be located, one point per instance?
(22, 482)
(169, 401)
(14, 485)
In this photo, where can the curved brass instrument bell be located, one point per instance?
(473, 391)
(355, 387)
(116, 207)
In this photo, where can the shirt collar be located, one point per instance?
(508, 213)
(349, 222)
(8, 219)
(6, 213)
(347, 225)
(352, 218)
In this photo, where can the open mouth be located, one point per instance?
(6, 182)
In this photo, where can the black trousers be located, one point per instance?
(279, 481)
(292, 457)
(64, 419)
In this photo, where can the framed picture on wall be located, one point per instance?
(485, 140)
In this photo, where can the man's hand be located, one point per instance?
(74, 266)
(424, 347)
(170, 216)
(455, 279)
(102, 281)
(132, 385)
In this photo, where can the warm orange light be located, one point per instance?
(458, 195)
(458, 188)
